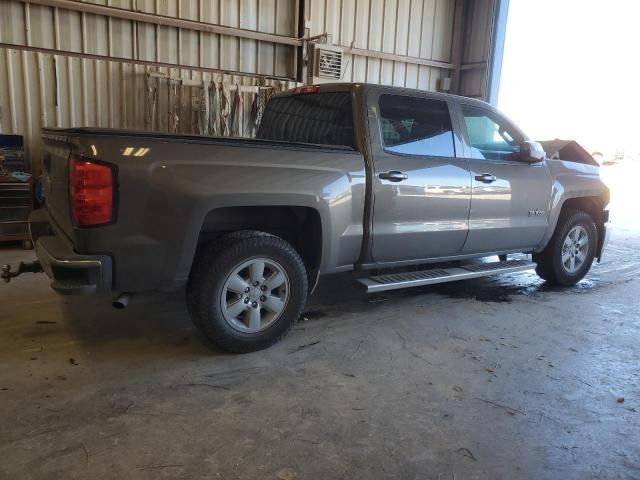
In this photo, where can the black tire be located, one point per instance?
(550, 266)
(211, 268)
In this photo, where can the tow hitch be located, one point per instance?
(30, 267)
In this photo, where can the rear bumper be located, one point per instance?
(72, 273)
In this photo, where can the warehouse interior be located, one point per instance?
(501, 377)
(148, 65)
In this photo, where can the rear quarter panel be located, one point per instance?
(165, 195)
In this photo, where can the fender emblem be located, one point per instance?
(536, 213)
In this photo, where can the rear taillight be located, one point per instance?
(91, 190)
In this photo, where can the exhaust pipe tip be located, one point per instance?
(122, 301)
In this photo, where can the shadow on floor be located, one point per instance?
(160, 320)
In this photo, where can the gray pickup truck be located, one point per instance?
(341, 177)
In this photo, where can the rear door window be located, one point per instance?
(416, 126)
(321, 118)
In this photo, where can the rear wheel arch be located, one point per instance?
(237, 307)
(301, 226)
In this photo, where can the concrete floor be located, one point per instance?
(494, 378)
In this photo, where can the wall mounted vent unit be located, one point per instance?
(326, 63)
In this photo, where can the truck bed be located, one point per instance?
(186, 138)
(167, 186)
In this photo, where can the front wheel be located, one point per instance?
(570, 252)
(247, 290)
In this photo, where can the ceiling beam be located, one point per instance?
(133, 61)
(123, 13)
(396, 57)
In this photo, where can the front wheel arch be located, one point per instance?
(592, 205)
(551, 263)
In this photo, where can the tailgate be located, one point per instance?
(55, 163)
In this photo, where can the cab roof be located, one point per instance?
(351, 86)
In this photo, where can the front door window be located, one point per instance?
(489, 138)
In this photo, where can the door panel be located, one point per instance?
(500, 218)
(510, 198)
(424, 216)
(422, 192)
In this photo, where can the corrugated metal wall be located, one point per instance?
(62, 68)
(415, 28)
(61, 90)
(39, 26)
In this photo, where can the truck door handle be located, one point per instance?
(486, 178)
(393, 176)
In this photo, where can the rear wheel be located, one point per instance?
(571, 250)
(247, 290)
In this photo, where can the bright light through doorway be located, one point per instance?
(572, 70)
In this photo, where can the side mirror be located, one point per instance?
(532, 152)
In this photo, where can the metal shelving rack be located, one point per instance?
(16, 204)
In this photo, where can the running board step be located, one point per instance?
(395, 281)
